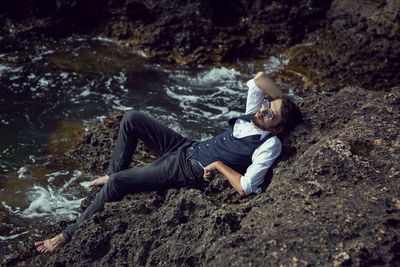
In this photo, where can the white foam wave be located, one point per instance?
(52, 176)
(4, 68)
(75, 176)
(209, 96)
(218, 74)
(58, 173)
(64, 75)
(10, 209)
(86, 92)
(117, 105)
(219, 101)
(100, 118)
(74, 39)
(108, 83)
(48, 202)
(44, 82)
(85, 184)
(37, 58)
(17, 69)
(274, 64)
(47, 52)
(51, 203)
(12, 59)
(15, 77)
(32, 158)
(24, 172)
(121, 78)
(182, 96)
(4, 238)
(140, 53)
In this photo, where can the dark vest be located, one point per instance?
(233, 152)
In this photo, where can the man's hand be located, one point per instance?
(210, 171)
(233, 176)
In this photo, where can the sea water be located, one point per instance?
(51, 90)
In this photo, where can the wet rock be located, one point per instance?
(336, 43)
(333, 199)
(180, 31)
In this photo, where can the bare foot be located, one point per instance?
(99, 181)
(50, 245)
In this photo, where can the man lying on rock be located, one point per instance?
(243, 153)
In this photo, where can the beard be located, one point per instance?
(258, 124)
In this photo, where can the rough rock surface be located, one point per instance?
(185, 31)
(332, 199)
(348, 42)
(359, 46)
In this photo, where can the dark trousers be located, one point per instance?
(174, 168)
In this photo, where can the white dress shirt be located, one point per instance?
(264, 156)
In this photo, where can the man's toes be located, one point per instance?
(39, 243)
(46, 250)
(41, 249)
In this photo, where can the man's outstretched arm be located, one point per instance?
(230, 174)
(267, 85)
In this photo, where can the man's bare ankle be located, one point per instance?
(101, 180)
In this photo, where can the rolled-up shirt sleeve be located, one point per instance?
(255, 97)
(262, 159)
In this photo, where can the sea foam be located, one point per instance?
(50, 202)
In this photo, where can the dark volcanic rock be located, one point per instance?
(359, 46)
(366, 41)
(337, 200)
(333, 200)
(182, 31)
(354, 42)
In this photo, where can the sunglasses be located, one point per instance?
(266, 104)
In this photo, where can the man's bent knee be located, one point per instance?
(115, 181)
(115, 187)
(133, 116)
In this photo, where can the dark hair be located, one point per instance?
(291, 115)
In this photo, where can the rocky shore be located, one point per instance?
(331, 199)
(333, 196)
